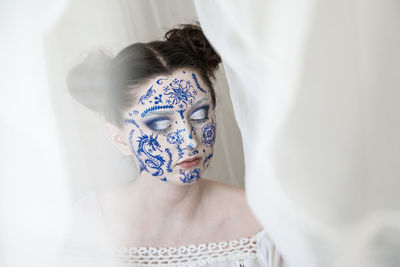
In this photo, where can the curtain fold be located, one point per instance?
(314, 92)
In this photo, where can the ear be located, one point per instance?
(115, 135)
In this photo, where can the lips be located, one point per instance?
(190, 162)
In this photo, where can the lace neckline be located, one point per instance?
(190, 255)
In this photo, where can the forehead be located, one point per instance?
(181, 87)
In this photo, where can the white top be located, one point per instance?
(88, 245)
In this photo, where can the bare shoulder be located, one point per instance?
(230, 203)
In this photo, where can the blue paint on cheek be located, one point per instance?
(190, 176)
(131, 121)
(147, 145)
(175, 138)
(141, 163)
(197, 83)
(170, 160)
(164, 179)
(207, 159)
(135, 112)
(208, 134)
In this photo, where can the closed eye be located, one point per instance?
(200, 114)
(158, 124)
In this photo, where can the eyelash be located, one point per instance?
(200, 120)
(197, 121)
(150, 122)
(162, 131)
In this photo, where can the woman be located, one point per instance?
(160, 110)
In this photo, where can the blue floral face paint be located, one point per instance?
(172, 128)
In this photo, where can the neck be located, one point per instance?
(174, 203)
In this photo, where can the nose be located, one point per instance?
(189, 141)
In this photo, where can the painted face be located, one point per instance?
(172, 128)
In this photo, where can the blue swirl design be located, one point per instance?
(197, 83)
(154, 108)
(208, 134)
(160, 81)
(141, 163)
(175, 138)
(179, 92)
(148, 145)
(189, 176)
(147, 95)
(207, 159)
(170, 160)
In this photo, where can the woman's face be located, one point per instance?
(171, 127)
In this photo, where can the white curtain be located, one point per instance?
(33, 197)
(315, 89)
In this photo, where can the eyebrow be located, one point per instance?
(197, 103)
(200, 101)
(158, 110)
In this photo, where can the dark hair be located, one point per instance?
(104, 84)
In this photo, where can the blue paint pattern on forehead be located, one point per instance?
(147, 95)
(154, 108)
(178, 92)
(160, 81)
(197, 83)
(189, 176)
(158, 99)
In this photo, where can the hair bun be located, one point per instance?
(192, 36)
(89, 81)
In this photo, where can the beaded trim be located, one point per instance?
(192, 255)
